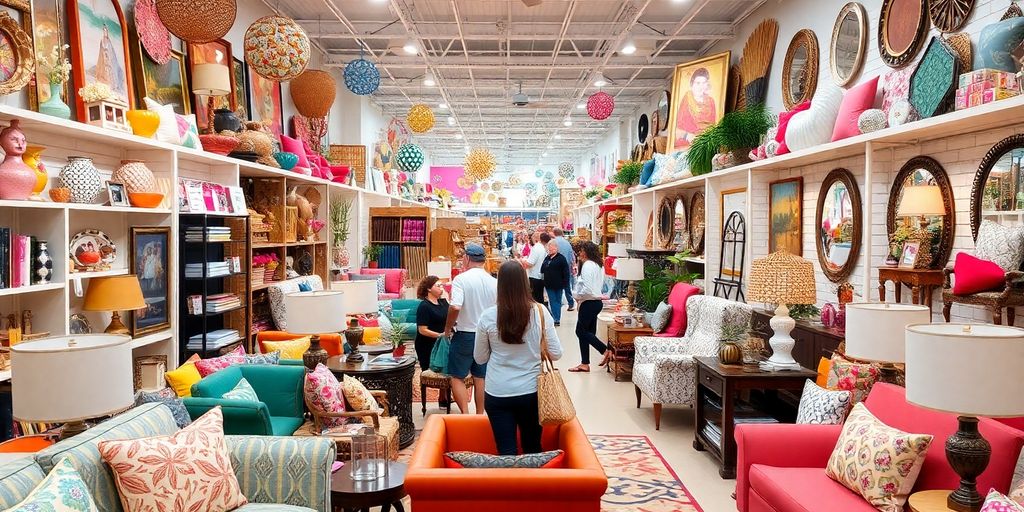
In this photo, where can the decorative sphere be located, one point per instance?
(409, 158)
(276, 48)
(479, 164)
(600, 105)
(566, 170)
(420, 118)
(362, 77)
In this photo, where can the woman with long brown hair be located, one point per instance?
(508, 340)
(589, 297)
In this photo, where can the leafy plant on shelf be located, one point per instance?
(658, 282)
(804, 312)
(629, 173)
(341, 211)
(738, 130)
(372, 252)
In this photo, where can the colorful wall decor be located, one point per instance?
(214, 52)
(698, 97)
(99, 49)
(265, 102)
(452, 178)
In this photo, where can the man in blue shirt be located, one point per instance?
(565, 249)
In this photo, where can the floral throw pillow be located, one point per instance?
(876, 461)
(897, 87)
(168, 397)
(216, 364)
(190, 469)
(63, 490)
(357, 395)
(271, 358)
(854, 377)
(820, 406)
(323, 391)
(996, 502)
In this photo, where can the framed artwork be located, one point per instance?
(166, 84)
(214, 52)
(117, 194)
(265, 102)
(785, 216)
(17, 62)
(80, 324)
(734, 200)
(698, 98)
(47, 34)
(908, 259)
(99, 49)
(239, 72)
(150, 248)
(148, 372)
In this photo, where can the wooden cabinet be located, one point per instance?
(812, 342)
(620, 342)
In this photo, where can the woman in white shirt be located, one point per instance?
(533, 264)
(588, 296)
(508, 341)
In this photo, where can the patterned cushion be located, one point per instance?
(324, 392)
(357, 395)
(283, 470)
(168, 128)
(272, 507)
(997, 502)
(182, 378)
(371, 277)
(270, 358)
(820, 406)
(551, 459)
(1017, 486)
(17, 479)
(854, 377)
(216, 364)
(661, 315)
(670, 167)
(896, 88)
(242, 391)
(995, 43)
(876, 461)
(189, 131)
(61, 491)
(191, 469)
(289, 349)
(1003, 245)
(167, 397)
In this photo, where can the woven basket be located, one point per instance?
(961, 44)
(313, 93)
(197, 21)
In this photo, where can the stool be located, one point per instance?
(442, 383)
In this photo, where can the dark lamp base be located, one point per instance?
(968, 454)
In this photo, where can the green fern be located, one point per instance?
(741, 129)
(629, 173)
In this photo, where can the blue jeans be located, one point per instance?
(555, 303)
(568, 291)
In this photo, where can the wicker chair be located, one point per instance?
(381, 421)
(1011, 296)
(443, 384)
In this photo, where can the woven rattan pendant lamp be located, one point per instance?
(313, 93)
(197, 21)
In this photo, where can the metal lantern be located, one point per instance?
(276, 48)
(362, 77)
(197, 21)
(409, 158)
(600, 105)
(479, 164)
(313, 93)
(420, 118)
(566, 170)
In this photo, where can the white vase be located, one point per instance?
(82, 178)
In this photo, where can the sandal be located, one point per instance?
(580, 369)
(607, 359)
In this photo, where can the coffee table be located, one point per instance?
(396, 380)
(349, 495)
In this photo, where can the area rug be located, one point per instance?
(639, 478)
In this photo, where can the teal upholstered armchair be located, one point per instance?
(279, 388)
(409, 324)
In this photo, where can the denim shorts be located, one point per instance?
(460, 356)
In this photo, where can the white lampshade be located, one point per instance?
(211, 80)
(360, 296)
(315, 312)
(921, 200)
(967, 369)
(72, 378)
(617, 250)
(629, 269)
(876, 332)
(441, 269)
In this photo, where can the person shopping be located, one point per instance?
(473, 291)
(566, 250)
(508, 342)
(588, 295)
(533, 264)
(431, 315)
(555, 270)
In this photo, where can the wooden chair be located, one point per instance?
(1009, 297)
(381, 421)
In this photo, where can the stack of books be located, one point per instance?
(213, 269)
(214, 339)
(222, 302)
(16, 254)
(213, 234)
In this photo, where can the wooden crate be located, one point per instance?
(352, 155)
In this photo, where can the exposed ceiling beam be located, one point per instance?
(338, 58)
(533, 31)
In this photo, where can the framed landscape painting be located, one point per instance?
(165, 83)
(241, 83)
(785, 216)
(99, 49)
(698, 98)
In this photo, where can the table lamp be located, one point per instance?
(93, 373)
(970, 370)
(441, 269)
(211, 80)
(782, 278)
(922, 201)
(314, 313)
(360, 298)
(617, 250)
(114, 294)
(632, 270)
(876, 333)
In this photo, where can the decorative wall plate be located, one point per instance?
(849, 43)
(643, 125)
(901, 29)
(92, 248)
(949, 15)
(800, 69)
(153, 35)
(934, 82)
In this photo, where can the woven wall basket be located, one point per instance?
(313, 93)
(197, 21)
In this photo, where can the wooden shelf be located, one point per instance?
(103, 273)
(82, 207)
(150, 339)
(31, 289)
(270, 245)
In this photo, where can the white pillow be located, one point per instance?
(815, 125)
(168, 129)
(190, 134)
(1003, 245)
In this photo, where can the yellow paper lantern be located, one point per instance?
(479, 164)
(420, 118)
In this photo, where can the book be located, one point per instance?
(5, 258)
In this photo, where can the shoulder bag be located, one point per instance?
(554, 406)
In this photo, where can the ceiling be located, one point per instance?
(479, 51)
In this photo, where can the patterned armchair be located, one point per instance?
(663, 368)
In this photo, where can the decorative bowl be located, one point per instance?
(286, 160)
(144, 123)
(145, 199)
(218, 144)
(60, 194)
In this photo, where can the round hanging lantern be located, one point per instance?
(362, 77)
(409, 158)
(313, 93)
(581, 181)
(153, 35)
(276, 48)
(479, 164)
(538, 173)
(420, 118)
(197, 21)
(566, 170)
(600, 105)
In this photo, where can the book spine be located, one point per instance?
(5, 258)
(26, 259)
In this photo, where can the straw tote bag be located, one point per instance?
(554, 407)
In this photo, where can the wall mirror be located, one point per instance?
(902, 26)
(998, 192)
(837, 222)
(697, 223)
(666, 222)
(849, 43)
(663, 103)
(681, 241)
(800, 70)
(929, 209)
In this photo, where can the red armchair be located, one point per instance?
(781, 468)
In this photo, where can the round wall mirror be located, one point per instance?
(902, 26)
(642, 128)
(663, 103)
(697, 223)
(837, 222)
(998, 194)
(800, 70)
(920, 210)
(681, 242)
(666, 222)
(849, 43)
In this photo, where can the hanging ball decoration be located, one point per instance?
(566, 170)
(276, 48)
(479, 164)
(197, 21)
(600, 105)
(420, 118)
(581, 181)
(549, 177)
(409, 158)
(313, 93)
(538, 173)
(362, 77)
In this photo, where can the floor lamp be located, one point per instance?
(784, 279)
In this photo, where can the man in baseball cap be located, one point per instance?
(473, 291)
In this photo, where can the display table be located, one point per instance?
(922, 283)
(620, 343)
(348, 495)
(929, 501)
(396, 380)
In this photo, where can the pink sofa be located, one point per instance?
(394, 281)
(781, 467)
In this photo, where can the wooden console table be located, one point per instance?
(620, 342)
(922, 283)
(813, 341)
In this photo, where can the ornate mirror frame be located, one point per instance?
(845, 177)
(892, 57)
(664, 103)
(857, 10)
(940, 254)
(804, 38)
(666, 212)
(981, 177)
(680, 202)
(949, 15)
(697, 232)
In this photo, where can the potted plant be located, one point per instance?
(371, 253)
(341, 211)
(736, 133)
(628, 175)
(394, 336)
(730, 352)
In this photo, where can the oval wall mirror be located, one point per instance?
(681, 242)
(849, 43)
(666, 222)
(929, 208)
(642, 128)
(837, 222)
(696, 227)
(902, 26)
(800, 69)
(998, 194)
(663, 103)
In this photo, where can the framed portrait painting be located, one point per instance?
(164, 83)
(698, 98)
(150, 248)
(265, 102)
(785, 216)
(214, 52)
(99, 49)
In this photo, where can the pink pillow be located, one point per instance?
(291, 145)
(392, 278)
(323, 391)
(677, 320)
(216, 364)
(855, 102)
(973, 275)
(784, 118)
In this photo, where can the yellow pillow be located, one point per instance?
(371, 335)
(291, 349)
(182, 378)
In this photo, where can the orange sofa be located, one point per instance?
(578, 486)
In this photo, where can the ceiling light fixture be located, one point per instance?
(458, 136)
(629, 48)
(451, 121)
(544, 154)
(581, 106)
(410, 47)
(442, 106)
(428, 80)
(600, 80)
(558, 136)
(567, 122)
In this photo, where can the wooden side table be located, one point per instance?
(921, 282)
(348, 495)
(723, 383)
(929, 501)
(620, 342)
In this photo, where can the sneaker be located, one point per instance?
(558, 324)
(571, 308)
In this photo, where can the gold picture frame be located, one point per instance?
(715, 70)
(807, 76)
(22, 53)
(148, 373)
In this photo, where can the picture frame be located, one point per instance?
(117, 194)
(214, 52)
(18, 64)
(240, 83)
(47, 23)
(102, 31)
(150, 248)
(148, 372)
(167, 84)
(265, 102)
(785, 215)
(733, 200)
(908, 258)
(79, 324)
(699, 114)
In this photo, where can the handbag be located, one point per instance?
(439, 355)
(554, 406)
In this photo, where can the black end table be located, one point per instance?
(396, 380)
(349, 495)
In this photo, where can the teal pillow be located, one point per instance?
(62, 489)
(647, 173)
(996, 42)
(242, 391)
(305, 287)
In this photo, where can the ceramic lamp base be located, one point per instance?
(781, 342)
(315, 354)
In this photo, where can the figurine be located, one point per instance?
(17, 180)
(26, 322)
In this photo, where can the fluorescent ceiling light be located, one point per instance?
(550, 146)
(558, 136)
(458, 136)
(442, 106)
(581, 106)
(567, 122)
(599, 79)
(451, 121)
(428, 80)
(629, 47)
(410, 47)
(544, 154)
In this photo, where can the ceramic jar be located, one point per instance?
(42, 264)
(341, 256)
(828, 315)
(17, 180)
(81, 177)
(135, 176)
(225, 119)
(144, 123)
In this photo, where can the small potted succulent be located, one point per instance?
(394, 336)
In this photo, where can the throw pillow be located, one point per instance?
(191, 469)
(661, 316)
(1017, 484)
(995, 43)
(814, 126)
(855, 102)
(357, 395)
(856, 378)
(216, 364)
(677, 318)
(368, 321)
(1003, 245)
(167, 397)
(269, 358)
(291, 145)
(242, 391)
(896, 88)
(824, 367)
(551, 459)
(289, 349)
(647, 172)
(371, 277)
(973, 275)
(167, 130)
(819, 406)
(182, 378)
(780, 134)
(189, 131)
(876, 461)
(659, 169)
(997, 502)
(323, 392)
(63, 490)
(305, 287)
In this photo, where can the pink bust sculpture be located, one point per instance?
(16, 178)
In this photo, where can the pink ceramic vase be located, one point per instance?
(17, 180)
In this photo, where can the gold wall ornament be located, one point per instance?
(420, 118)
(24, 59)
(479, 164)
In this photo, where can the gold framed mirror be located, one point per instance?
(665, 220)
(838, 224)
(917, 212)
(697, 222)
(800, 69)
(849, 43)
(681, 241)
